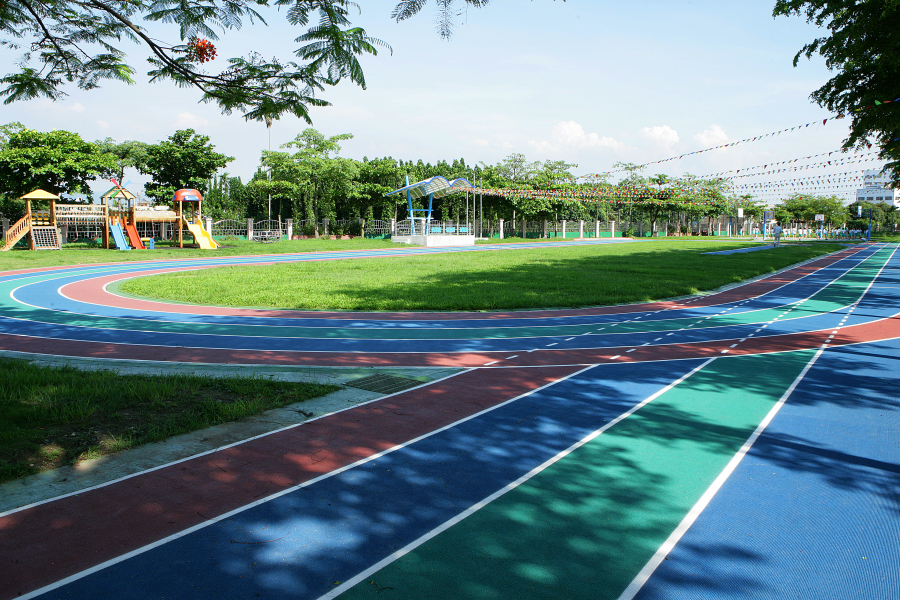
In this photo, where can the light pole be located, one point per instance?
(269, 170)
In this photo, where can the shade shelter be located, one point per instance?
(424, 234)
(436, 187)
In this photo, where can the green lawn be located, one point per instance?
(51, 417)
(74, 254)
(528, 278)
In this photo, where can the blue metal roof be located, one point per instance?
(437, 186)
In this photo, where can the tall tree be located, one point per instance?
(185, 160)
(517, 169)
(863, 47)
(73, 41)
(128, 154)
(56, 161)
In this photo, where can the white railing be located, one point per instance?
(268, 231)
(229, 227)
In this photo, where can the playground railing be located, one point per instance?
(16, 232)
(72, 213)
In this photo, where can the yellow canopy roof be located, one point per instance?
(40, 195)
(118, 193)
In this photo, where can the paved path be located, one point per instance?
(742, 444)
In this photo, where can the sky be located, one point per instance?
(586, 81)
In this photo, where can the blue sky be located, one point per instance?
(584, 81)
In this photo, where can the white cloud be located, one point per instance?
(572, 134)
(77, 107)
(102, 124)
(714, 136)
(190, 120)
(542, 146)
(569, 134)
(662, 134)
(482, 143)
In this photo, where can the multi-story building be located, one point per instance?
(876, 189)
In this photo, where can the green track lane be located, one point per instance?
(842, 292)
(585, 526)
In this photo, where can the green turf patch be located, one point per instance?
(585, 526)
(573, 276)
(81, 254)
(51, 417)
(384, 384)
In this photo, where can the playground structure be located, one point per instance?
(118, 216)
(192, 200)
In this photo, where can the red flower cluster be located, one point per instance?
(202, 50)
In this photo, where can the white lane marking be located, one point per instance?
(236, 511)
(724, 352)
(654, 562)
(632, 350)
(553, 344)
(225, 447)
(732, 346)
(508, 488)
(568, 339)
(657, 339)
(511, 357)
(493, 362)
(743, 339)
(615, 357)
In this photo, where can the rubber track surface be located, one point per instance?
(553, 402)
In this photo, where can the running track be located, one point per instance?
(739, 445)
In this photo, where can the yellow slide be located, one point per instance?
(203, 238)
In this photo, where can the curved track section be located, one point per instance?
(69, 312)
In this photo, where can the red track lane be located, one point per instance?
(869, 332)
(91, 291)
(69, 535)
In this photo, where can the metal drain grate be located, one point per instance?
(383, 384)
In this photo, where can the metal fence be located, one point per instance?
(378, 229)
(229, 228)
(268, 231)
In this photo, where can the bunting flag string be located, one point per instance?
(842, 176)
(750, 139)
(791, 161)
(635, 194)
(824, 164)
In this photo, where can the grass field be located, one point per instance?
(530, 278)
(75, 254)
(51, 417)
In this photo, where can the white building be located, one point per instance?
(876, 189)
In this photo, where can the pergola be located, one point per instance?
(436, 187)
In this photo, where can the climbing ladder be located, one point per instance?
(45, 238)
(16, 233)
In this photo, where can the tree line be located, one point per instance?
(307, 180)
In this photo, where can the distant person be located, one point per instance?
(777, 231)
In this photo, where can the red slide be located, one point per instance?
(133, 237)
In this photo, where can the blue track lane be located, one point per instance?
(335, 528)
(812, 510)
